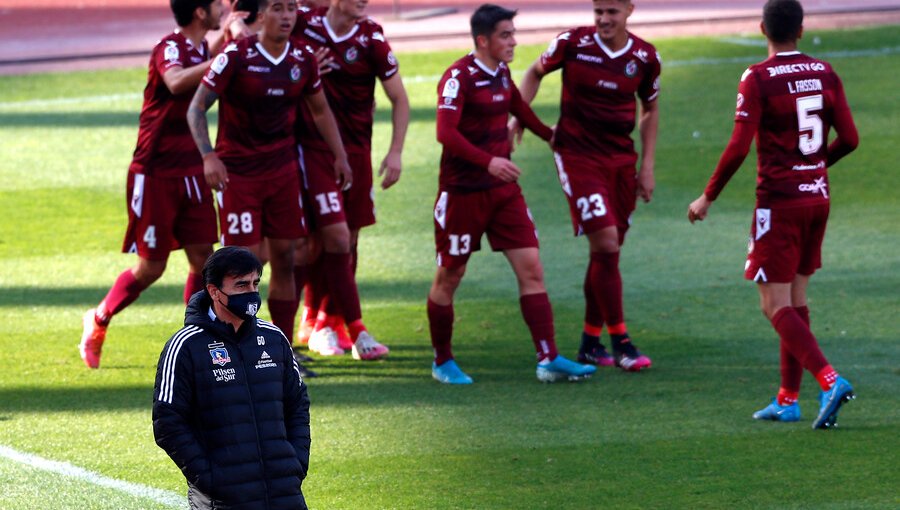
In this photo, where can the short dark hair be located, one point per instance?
(184, 10)
(230, 261)
(485, 18)
(783, 20)
(251, 6)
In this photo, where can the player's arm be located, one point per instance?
(391, 166)
(213, 169)
(732, 158)
(180, 80)
(526, 116)
(528, 89)
(847, 137)
(328, 128)
(234, 29)
(648, 125)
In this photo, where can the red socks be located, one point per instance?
(124, 292)
(440, 323)
(342, 285)
(786, 397)
(283, 313)
(791, 369)
(606, 287)
(538, 316)
(800, 343)
(193, 285)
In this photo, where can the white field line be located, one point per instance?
(827, 55)
(167, 498)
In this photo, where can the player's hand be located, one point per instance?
(503, 169)
(390, 169)
(324, 58)
(698, 209)
(646, 182)
(214, 172)
(234, 24)
(343, 174)
(515, 133)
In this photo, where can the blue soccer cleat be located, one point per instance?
(830, 402)
(448, 372)
(561, 368)
(776, 412)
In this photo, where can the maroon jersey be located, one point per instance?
(258, 96)
(360, 56)
(598, 107)
(474, 103)
(793, 100)
(165, 147)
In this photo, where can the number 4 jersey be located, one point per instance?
(794, 100)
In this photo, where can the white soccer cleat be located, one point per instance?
(366, 348)
(325, 342)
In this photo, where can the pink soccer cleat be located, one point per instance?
(91, 340)
(366, 348)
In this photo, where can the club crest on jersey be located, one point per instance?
(220, 356)
(505, 81)
(631, 69)
(391, 59)
(740, 100)
(295, 73)
(351, 55)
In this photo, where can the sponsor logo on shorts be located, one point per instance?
(440, 210)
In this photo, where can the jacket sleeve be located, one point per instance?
(296, 411)
(172, 416)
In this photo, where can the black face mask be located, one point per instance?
(243, 305)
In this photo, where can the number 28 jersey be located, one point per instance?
(792, 98)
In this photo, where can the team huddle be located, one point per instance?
(290, 176)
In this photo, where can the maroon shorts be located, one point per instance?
(251, 208)
(786, 242)
(599, 197)
(166, 213)
(460, 219)
(326, 204)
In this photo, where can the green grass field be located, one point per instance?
(387, 436)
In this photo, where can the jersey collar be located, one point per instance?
(270, 58)
(787, 53)
(610, 53)
(488, 70)
(334, 37)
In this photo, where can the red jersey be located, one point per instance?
(792, 99)
(474, 103)
(165, 147)
(258, 96)
(598, 107)
(360, 55)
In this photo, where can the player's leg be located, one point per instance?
(512, 231)
(440, 324)
(196, 256)
(591, 349)
(538, 314)
(152, 206)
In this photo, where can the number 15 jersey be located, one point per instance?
(795, 100)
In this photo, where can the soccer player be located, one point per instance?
(360, 54)
(478, 194)
(788, 102)
(260, 80)
(169, 204)
(603, 68)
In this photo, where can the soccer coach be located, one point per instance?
(229, 405)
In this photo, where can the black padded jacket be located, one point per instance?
(232, 411)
